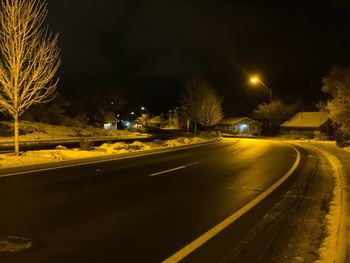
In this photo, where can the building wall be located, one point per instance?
(110, 126)
(242, 128)
(224, 128)
(309, 132)
(173, 119)
(255, 128)
(176, 119)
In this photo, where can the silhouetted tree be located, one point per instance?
(277, 112)
(29, 58)
(53, 112)
(95, 104)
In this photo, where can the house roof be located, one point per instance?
(234, 120)
(307, 120)
(156, 119)
(110, 117)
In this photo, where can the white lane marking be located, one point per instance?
(176, 168)
(168, 171)
(189, 248)
(84, 162)
(191, 164)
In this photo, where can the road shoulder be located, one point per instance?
(336, 246)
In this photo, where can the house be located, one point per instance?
(110, 121)
(156, 122)
(177, 119)
(307, 124)
(239, 125)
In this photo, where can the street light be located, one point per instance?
(145, 109)
(256, 80)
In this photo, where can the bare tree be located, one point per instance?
(210, 111)
(29, 58)
(201, 103)
(191, 100)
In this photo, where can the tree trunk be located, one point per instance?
(16, 135)
(195, 128)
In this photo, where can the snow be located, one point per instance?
(59, 154)
(333, 246)
(307, 119)
(14, 244)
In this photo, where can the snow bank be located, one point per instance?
(333, 246)
(120, 147)
(323, 143)
(61, 154)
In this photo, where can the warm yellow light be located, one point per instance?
(143, 108)
(254, 80)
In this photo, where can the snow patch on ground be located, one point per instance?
(47, 156)
(13, 244)
(333, 247)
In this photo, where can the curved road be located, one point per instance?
(140, 209)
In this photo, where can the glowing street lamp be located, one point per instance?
(256, 79)
(145, 109)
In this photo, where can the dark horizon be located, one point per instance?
(152, 47)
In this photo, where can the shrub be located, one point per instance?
(342, 139)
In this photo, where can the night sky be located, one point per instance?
(150, 48)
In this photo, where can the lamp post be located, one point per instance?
(255, 80)
(116, 123)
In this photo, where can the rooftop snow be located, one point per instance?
(307, 120)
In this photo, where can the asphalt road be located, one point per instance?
(141, 209)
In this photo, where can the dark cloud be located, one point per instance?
(154, 46)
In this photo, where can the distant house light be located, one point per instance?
(107, 126)
(127, 124)
(243, 128)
